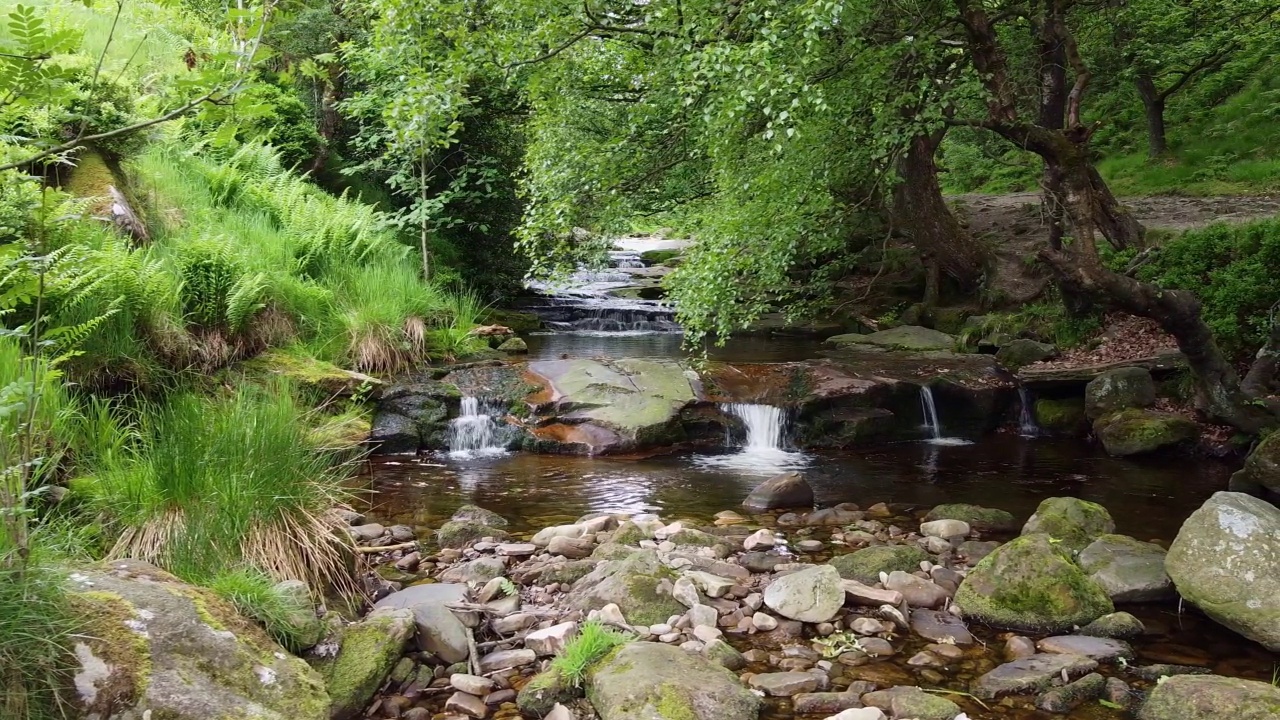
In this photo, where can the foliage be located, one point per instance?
(36, 631)
(213, 483)
(592, 643)
(257, 596)
(1231, 269)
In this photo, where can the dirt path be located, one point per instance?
(1013, 226)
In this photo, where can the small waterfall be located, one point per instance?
(929, 409)
(475, 432)
(764, 449)
(766, 425)
(1027, 426)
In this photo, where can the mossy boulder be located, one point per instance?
(413, 416)
(690, 538)
(1135, 432)
(366, 652)
(659, 257)
(634, 583)
(1211, 697)
(865, 565)
(629, 533)
(1061, 415)
(477, 514)
(1022, 351)
(1261, 469)
(978, 517)
(514, 346)
(905, 337)
(1119, 389)
(463, 533)
(1072, 521)
(299, 614)
(644, 681)
(311, 372)
(155, 646)
(1031, 584)
(1224, 561)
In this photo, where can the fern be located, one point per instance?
(245, 300)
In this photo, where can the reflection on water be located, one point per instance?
(545, 346)
(1149, 498)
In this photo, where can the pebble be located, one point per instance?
(686, 592)
(784, 684)
(869, 626)
(409, 562)
(825, 629)
(471, 684)
(503, 659)
(945, 651)
(517, 549)
(764, 622)
(1018, 647)
(810, 546)
(762, 538)
(702, 615)
(706, 634)
(753, 601)
(944, 528)
(497, 697)
(468, 705)
(924, 658)
(670, 637)
(876, 647)
(559, 712)
(660, 629)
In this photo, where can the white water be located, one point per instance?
(930, 411)
(1027, 426)
(764, 450)
(474, 433)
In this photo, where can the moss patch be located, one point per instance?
(672, 704)
(107, 616)
(865, 565)
(1064, 416)
(1134, 432)
(369, 651)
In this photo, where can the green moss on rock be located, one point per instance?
(1210, 697)
(1065, 416)
(1072, 521)
(1031, 584)
(369, 650)
(1135, 432)
(978, 517)
(462, 533)
(865, 565)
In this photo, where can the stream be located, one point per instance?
(618, 312)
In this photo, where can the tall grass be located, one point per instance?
(36, 631)
(219, 483)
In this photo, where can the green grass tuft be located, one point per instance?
(593, 642)
(257, 596)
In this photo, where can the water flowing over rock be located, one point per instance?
(1224, 561)
(645, 680)
(154, 645)
(1071, 521)
(1031, 584)
(788, 490)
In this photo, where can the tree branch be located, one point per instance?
(551, 53)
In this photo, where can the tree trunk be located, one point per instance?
(1153, 104)
(329, 118)
(919, 209)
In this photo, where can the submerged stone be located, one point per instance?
(1030, 674)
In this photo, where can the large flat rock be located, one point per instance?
(1031, 674)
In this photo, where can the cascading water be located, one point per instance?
(930, 411)
(474, 432)
(1027, 426)
(764, 448)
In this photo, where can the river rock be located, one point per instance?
(911, 702)
(944, 528)
(903, 337)
(1224, 561)
(472, 684)
(1031, 584)
(1119, 625)
(723, 654)
(479, 571)
(1030, 674)
(918, 592)
(612, 405)
(572, 548)
(784, 684)
(440, 632)
(788, 490)
(477, 514)
(550, 641)
(505, 659)
(365, 533)
(367, 651)
(466, 704)
(459, 534)
(153, 645)
(1119, 389)
(1128, 569)
(1210, 697)
(1136, 432)
(634, 584)
(1022, 351)
(543, 537)
(1261, 469)
(865, 565)
(762, 538)
(977, 517)
(642, 680)
(1061, 415)
(1094, 647)
(859, 714)
(824, 703)
(940, 627)
(713, 586)
(1064, 699)
(760, 562)
(860, 594)
(1071, 521)
(813, 595)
